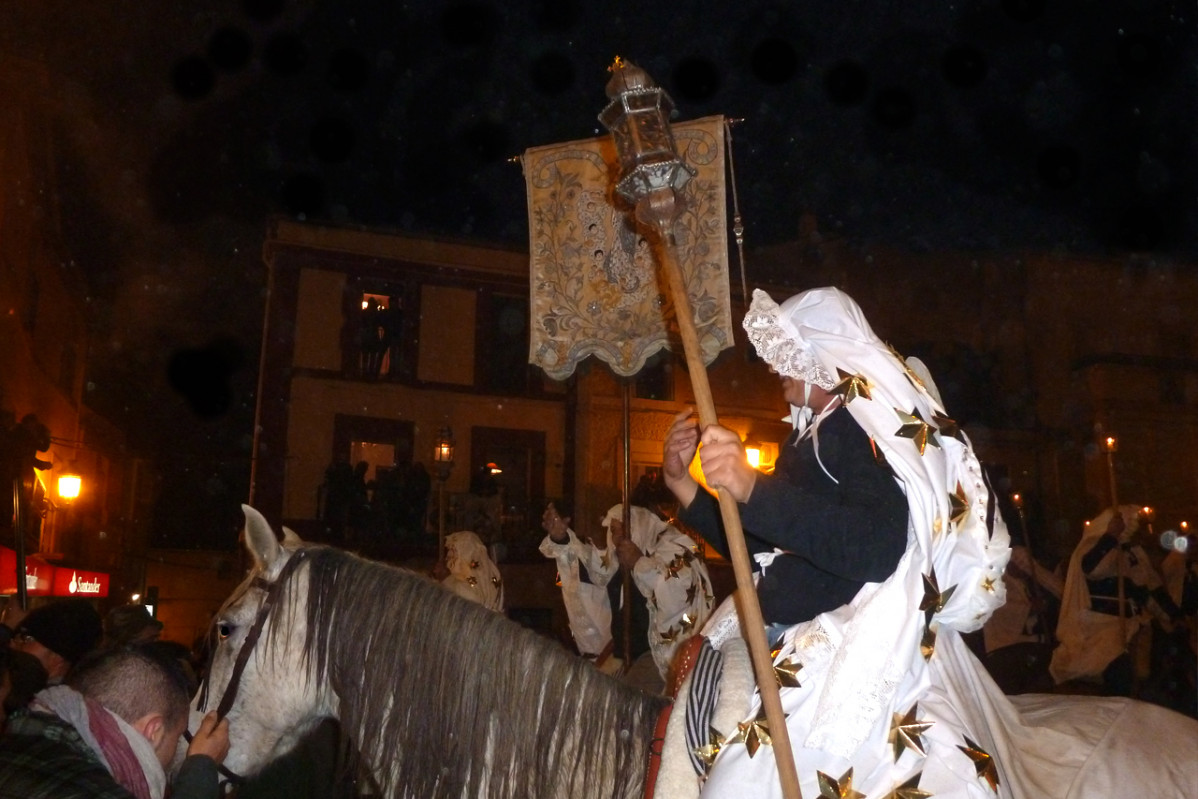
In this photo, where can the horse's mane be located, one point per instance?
(445, 698)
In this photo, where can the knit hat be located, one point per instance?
(69, 627)
(125, 623)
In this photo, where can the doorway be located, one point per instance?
(511, 463)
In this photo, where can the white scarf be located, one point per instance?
(90, 719)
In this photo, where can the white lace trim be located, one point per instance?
(783, 350)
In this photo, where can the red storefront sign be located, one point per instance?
(73, 582)
(43, 579)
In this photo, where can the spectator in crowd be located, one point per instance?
(21, 677)
(58, 634)
(111, 733)
(130, 624)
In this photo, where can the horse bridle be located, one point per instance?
(273, 591)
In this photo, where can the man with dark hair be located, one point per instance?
(111, 732)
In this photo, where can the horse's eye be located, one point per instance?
(224, 630)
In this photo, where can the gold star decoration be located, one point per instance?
(752, 734)
(709, 750)
(495, 581)
(691, 593)
(674, 566)
(915, 428)
(983, 763)
(934, 599)
(902, 362)
(988, 584)
(908, 790)
(959, 504)
(851, 387)
(927, 644)
(472, 580)
(474, 564)
(946, 426)
(837, 789)
(905, 733)
(879, 456)
(687, 623)
(670, 635)
(787, 673)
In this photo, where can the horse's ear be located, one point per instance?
(260, 539)
(291, 536)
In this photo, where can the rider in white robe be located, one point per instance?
(882, 696)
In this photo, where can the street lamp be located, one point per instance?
(443, 453)
(69, 485)
(753, 454)
(443, 458)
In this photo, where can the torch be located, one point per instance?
(651, 173)
(1111, 445)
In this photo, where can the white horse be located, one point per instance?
(439, 696)
(443, 698)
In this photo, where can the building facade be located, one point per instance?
(376, 342)
(44, 343)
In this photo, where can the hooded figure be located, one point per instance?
(1091, 631)
(671, 577)
(472, 573)
(891, 650)
(882, 696)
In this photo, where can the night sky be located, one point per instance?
(179, 128)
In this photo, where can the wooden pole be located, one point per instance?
(1035, 592)
(441, 516)
(626, 517)
(1110, 463)
(659, 208)
(20, 519)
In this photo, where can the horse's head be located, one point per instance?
(259, 677)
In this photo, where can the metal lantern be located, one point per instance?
(443, 451)
(638, 118)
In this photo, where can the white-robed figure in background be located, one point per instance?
(666, 570)
(882, 696)
(1094, 631)
(472, 573)
(584, 571)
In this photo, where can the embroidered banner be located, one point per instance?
(595, 286)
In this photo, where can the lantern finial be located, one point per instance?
(638, 117)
